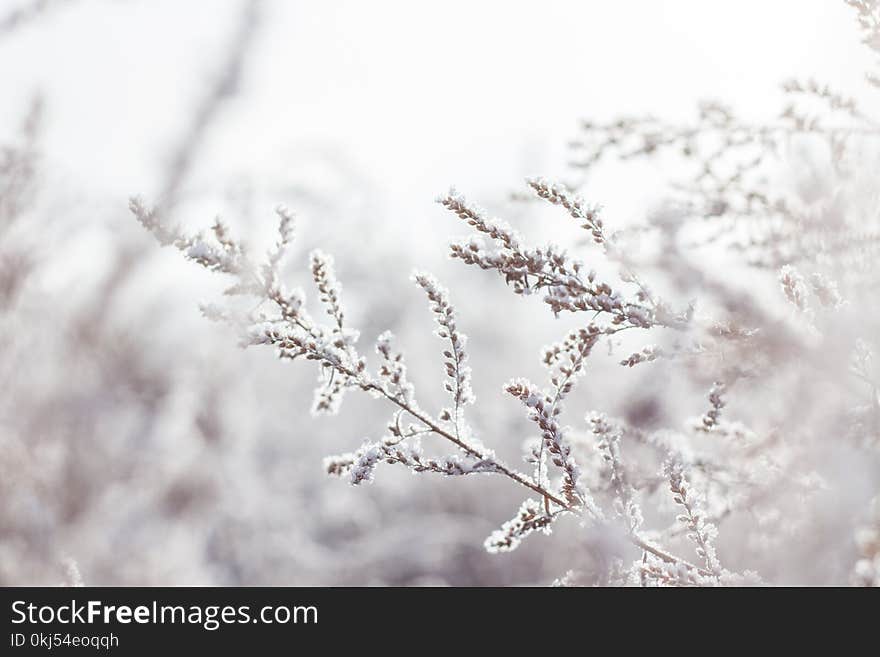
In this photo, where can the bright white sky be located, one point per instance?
(415, 96)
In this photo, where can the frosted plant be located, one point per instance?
(84, 458)
(794, 286)
(733, 192)
(869, 20)
(694, 517)
(744, 414)
(789, 195)
(566, 287)
(740, 468)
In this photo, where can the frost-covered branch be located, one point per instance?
(296, 335)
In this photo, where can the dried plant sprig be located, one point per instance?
(647, 354)
(530, 518)
(566, 285)
(869, 21)
(725, 152)
(476, 217)
(324, 275)
(300, 335)
(542, 413)
(392, 370)
(746, 336)
(225, 255)
(457, 371)
(737, 476)
(565, 360)
(608, 435)
(728, 161)
(328, 394)
(286, 223)
(658, 573)
(711, 418)
(296, 335)
(557, 194)
(834, 100)
(359, 466)
(701, 532)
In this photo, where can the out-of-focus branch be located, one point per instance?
(224, 86)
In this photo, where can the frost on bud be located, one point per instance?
(339, 465)
(364, 464)
(646, 355)
(700, 532)
(530, 518)
(554, 441)
(476, 217)
(458, 374)
(328, 396)
(711, 419)
(794, 287)
(392, 370)
(329, 288)
(609, 434)
(558, 194)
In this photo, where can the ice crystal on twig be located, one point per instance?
(701, 532)
(530, 518)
